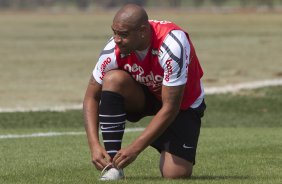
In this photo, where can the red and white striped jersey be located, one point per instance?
(171, 60)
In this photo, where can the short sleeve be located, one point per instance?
(174, 58)
(106, 62)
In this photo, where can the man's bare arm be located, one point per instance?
(171, 99)
(90, 110)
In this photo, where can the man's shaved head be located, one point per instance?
(131, 15)
(131, 28)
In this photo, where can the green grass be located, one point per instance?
(254, 108)
(225, 155)
(239, 143)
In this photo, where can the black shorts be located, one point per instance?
(181, 137)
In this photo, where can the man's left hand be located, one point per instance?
(124, 157)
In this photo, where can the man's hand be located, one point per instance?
(124, 157)
(100, 158)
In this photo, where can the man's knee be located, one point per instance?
(123, 83)
(173, 167)
(117, 81)
(118, 77)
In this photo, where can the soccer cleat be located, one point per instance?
(111, 174)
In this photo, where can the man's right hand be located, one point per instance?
(100, 158)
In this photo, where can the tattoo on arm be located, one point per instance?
(172, 95)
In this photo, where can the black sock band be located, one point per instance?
(112, 118)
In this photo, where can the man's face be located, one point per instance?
(126, 37)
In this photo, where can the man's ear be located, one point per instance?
(143, 29)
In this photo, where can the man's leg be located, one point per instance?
(178, 144)
(112, 121)
(120, 93)
(172, 166)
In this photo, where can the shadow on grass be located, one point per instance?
(219, 177)
(143, 178)
(192, 178)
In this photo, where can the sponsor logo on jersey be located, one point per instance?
(155, 52)
(104, 65)
(168, 69)
(124, 55)
(161, 22)
(138, 74)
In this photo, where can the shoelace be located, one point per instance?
(105, 169)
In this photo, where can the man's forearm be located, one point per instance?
(90, 112)
(91, 122)
(155, 128)
(171, 98)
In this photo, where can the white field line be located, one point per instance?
(243, 86)
(37, 109)
(53, 134)
(208, 90)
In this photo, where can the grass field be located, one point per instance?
(236, 155)
(46, 60)
(240, 143)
